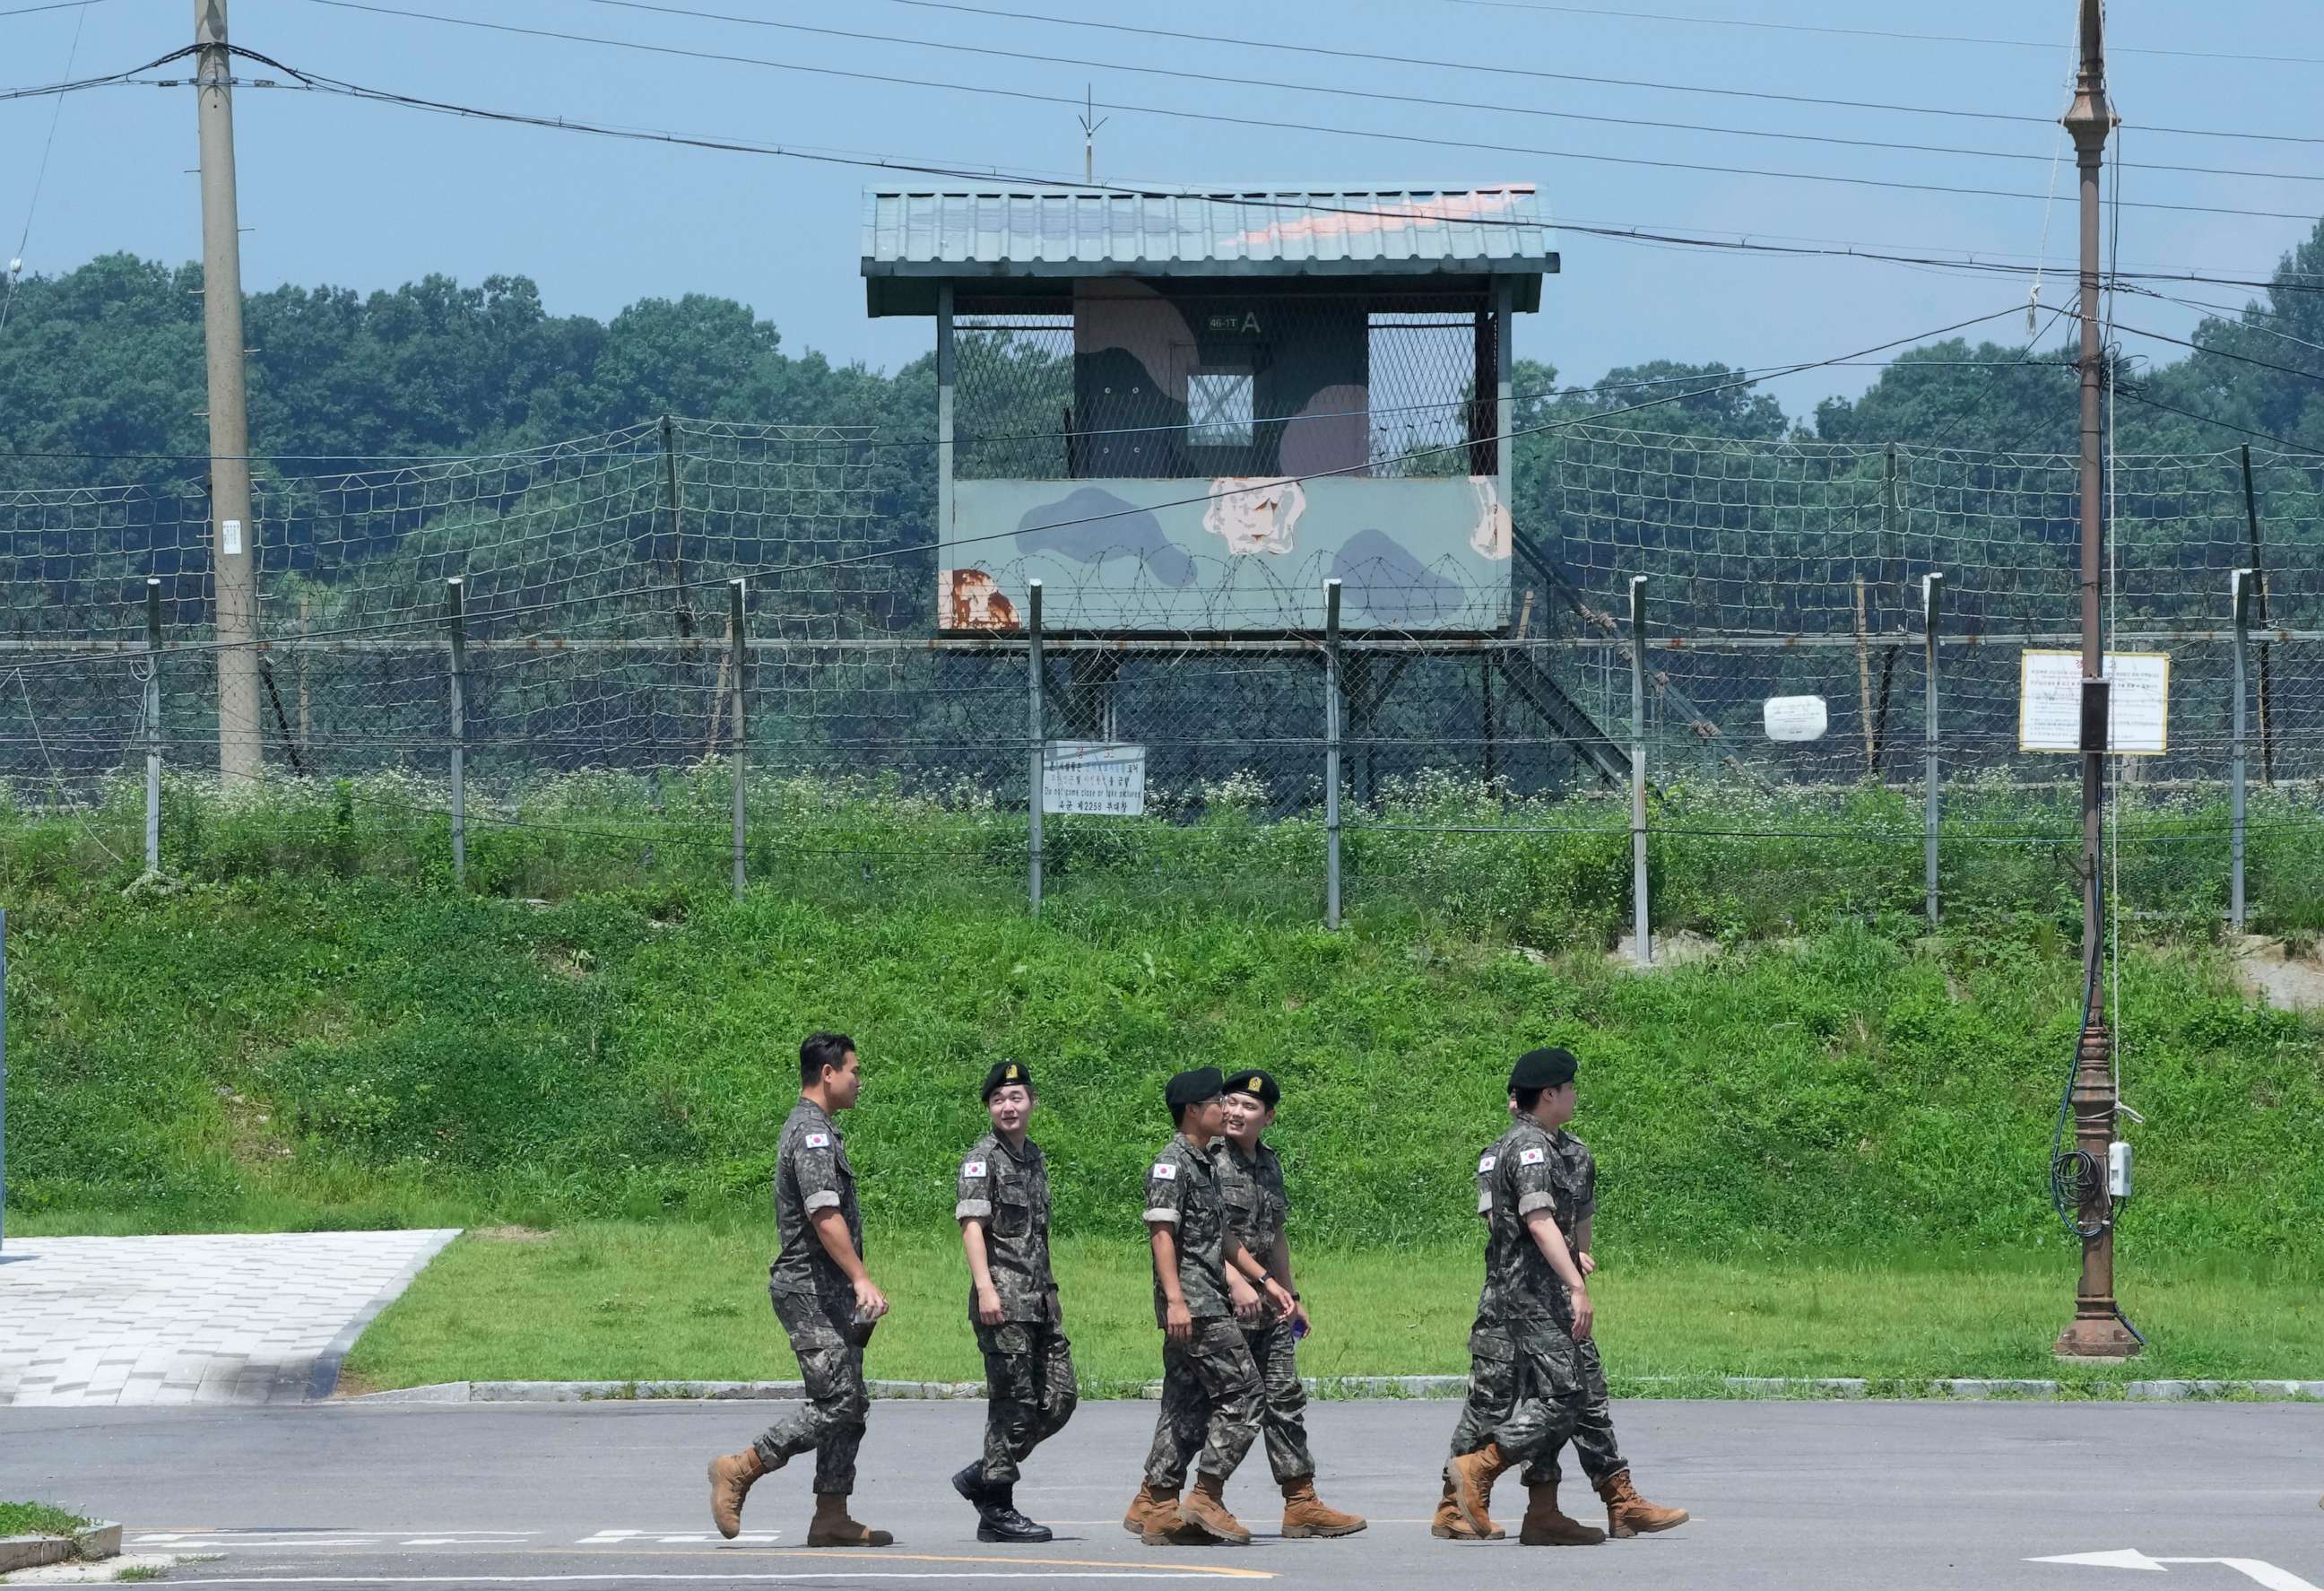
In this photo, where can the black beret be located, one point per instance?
(1191, 1087)
(1541, 1068)
(1006, 1071)
(1256, 1083)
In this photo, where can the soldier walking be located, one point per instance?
(1541, 1100)
(825, 1300)
(1003, 1211)
(1251, 1182)
(1210, 1392)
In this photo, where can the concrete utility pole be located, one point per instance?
(2097, 1330)
(234, 532)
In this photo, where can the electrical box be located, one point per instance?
(2118, 1169)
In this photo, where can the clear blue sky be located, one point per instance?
(369, 197)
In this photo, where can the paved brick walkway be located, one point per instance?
(235, 1318)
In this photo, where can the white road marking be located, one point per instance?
(1124, 1573)
(2131, 1558)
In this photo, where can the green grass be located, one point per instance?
(620, 1301)
(40, 1519)
(137, 1572)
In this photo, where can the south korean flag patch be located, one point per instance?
(1531, 1156)
(817, 1141)
(973, 1168)
(1487, 1163)
(1165, 1169)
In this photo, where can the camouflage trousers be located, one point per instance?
(1282, 1410)
(1029, 1392)
(1210, 1398)
(1533, 1388)
(830, 1350)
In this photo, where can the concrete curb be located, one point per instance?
(323, 1379)
(30, 1552)
(1386, 1386)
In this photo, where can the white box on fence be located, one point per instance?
(1097, 778)
(2050, 702)
(1797, 717)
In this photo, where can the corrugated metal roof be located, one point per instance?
(1035, 233)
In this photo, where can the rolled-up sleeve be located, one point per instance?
(975, 1199)
(816, 1169)
(1530, 1178)
(1165, 1193)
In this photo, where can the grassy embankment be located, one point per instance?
(1826, 1154)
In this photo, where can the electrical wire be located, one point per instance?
(2224, 354)
(1382, 97)
(1792, 27)
(1221, 118)
(15, 266)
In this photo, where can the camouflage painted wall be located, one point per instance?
(1226, 554)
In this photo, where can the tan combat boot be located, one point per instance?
(1472, 1476)
(1161, 1526)
(1305, 1514)
(1134, 1521)
(1546, 1525)
(729, 1481)
(1205, 1509)
(1448, 1522)
(1629, 1514)
(831, 1526)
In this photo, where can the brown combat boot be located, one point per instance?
(1134, 1521)
(1629, 1514)
(1546, 1525)
(729, 1481)
(1161, 1526)
(1205, 1509)
(1305, 1514)
(1472, 1476)
(1448, 1522)
(831, 1526)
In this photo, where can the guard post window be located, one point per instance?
(1219, 408)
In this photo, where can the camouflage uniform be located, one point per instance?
(1257, 1209)
(1028, 1364)
(1210, 1392)
(817, 1303)
(1527, 1388)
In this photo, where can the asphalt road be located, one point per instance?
(600, 1497)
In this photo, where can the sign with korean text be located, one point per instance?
(2050, 702)
(1099, 778)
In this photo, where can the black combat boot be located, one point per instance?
(1002, 1522)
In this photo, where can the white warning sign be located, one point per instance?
(1099, 778)
(1796, 717)
(2050, 702)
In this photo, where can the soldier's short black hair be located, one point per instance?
(1526, 1099)
(820, 1050)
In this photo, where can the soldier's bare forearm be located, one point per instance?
(1282, 1262)
(831, 1231)
(1542, 1226)
(980, 1264)
(1165, 1262)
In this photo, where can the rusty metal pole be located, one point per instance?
(739, 657)
(153, 727)
(1331, 755)
(456, 630)
(1933, 608)
(1642, 943)
(2097, 1330)
(2239, 588)
(234, 530)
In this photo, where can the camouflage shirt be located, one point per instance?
(1008, 1190)
(811, 1175)
(1252, 1189)
(1577, 1185)
(1515, 1178)
(1182, 1187)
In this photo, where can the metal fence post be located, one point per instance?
(455, 627)
(1036, 740)
(738, 659)
(1933, 608)
(2239, 585)
(1641, 930)
(154, 726)
(1331, 755)
(4, 1077)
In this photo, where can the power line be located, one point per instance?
(81, 6)
(2130, 390)
(1429, 102)
(1407, 62)
(1792, 27)
(2224, 354)
(891, 80)
(16, 268)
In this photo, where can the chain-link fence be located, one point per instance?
(600, 676)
